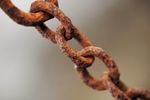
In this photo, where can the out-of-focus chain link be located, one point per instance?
(42, 11)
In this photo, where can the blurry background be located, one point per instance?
(32, 68)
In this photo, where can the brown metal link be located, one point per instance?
(67, 27)
(99, 52)
(110, 80)
(42, 11)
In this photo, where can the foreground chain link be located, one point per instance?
(42, 11)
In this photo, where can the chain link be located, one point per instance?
(42, 11)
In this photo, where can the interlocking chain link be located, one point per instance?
(42, 11)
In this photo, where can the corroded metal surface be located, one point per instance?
(42, 11)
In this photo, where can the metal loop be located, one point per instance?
(110, 64)
(59, 38)
(51, 9)
(110, 79)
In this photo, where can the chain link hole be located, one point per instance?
(97, 68)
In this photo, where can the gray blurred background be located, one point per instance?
(32, 68)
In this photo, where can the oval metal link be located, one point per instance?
(58, 35)
(109, 80)
(110, 64)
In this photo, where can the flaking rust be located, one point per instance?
(42, 11)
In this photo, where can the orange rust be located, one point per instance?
(48, 9)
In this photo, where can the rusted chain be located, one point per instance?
(66, 27)
(48, 9)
